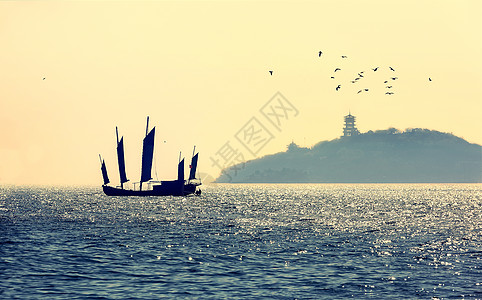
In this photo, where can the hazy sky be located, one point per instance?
(200, 71)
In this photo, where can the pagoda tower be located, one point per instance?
(350, 127)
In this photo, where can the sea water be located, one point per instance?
(253, 241)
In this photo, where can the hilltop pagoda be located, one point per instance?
(350, 127)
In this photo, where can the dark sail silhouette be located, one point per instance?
(120, 159)
(192, 172)
(147, 155)
(178, 187)
(104, 171)
(180, 171)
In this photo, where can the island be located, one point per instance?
(414, 155)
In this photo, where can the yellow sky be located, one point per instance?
(200, 71)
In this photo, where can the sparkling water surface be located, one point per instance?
(253, 241)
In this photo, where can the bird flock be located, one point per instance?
(359, 78)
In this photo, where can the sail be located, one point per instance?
(104, 173)
(121, 161)
(180, 171)
(147, 155)
(193, 166)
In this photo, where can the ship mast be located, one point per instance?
(120, 158)
(192, 166)
(147, 126)
(147, 129)
(147, 155)
(117, 138)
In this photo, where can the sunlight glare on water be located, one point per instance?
(243, 241)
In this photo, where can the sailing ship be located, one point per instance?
(179, 187)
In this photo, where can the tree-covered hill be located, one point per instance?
(384, 156)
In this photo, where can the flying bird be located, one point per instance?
(374, 70)
(392, 69)
(332, 77)
(385, 81)
(394, 78)
(359, 91)
(389, 93)
(43, 78)
(320, 53)
(337, 69)
(429, 79)
(338, 87)
(389, 87)
(271, 72)
(353, 81)
(366, 90)
(360, 75)
(343, 56)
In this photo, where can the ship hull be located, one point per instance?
(167, 188)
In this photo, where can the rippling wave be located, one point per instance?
(252, 241)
